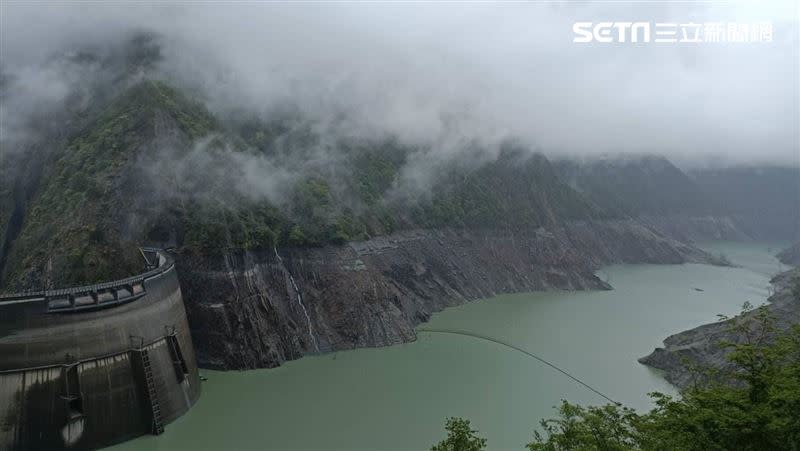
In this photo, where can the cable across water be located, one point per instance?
(529, 354)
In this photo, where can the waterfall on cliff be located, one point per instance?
(299, 299)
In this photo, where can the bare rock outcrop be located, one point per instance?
(700, 348)
(259, 309)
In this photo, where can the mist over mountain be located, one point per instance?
(434, 76)
(155, 166)
(194, 127)
(315, 177)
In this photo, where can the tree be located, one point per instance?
(607, 427)
(460, 437)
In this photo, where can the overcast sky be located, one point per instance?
(452, 72)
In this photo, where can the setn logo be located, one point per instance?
(611, 32)
(669, 32)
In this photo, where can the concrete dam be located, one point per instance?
(87, 367)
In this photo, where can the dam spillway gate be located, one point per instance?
(87, 367)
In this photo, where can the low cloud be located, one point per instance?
(445, 77)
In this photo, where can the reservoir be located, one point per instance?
(398, 398)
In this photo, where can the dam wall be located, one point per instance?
(88, 367)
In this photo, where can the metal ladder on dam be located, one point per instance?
(157, 426)
(155, 407)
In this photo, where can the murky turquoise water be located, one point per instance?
(397, 398)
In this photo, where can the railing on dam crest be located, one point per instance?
(100, 295)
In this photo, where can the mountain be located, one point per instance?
(112, 186)
(656, 192)
(764, 201)
(82, 223)
(636, 186)
(263, 215)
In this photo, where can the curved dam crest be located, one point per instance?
(88, 367)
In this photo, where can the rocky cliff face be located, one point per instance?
(700, 347)
(250, 310)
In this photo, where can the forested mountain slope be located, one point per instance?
(265, 213)
(156, 167)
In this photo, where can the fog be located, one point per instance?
(448, 76)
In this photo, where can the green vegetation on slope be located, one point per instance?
(516, 191)
(155, 167)
(71, 231)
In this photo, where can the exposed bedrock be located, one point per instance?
(700, 347)
(259, 309)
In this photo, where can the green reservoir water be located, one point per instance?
(397, 398)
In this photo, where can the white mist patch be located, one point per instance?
(438, 73)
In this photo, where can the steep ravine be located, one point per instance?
(245, 310)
